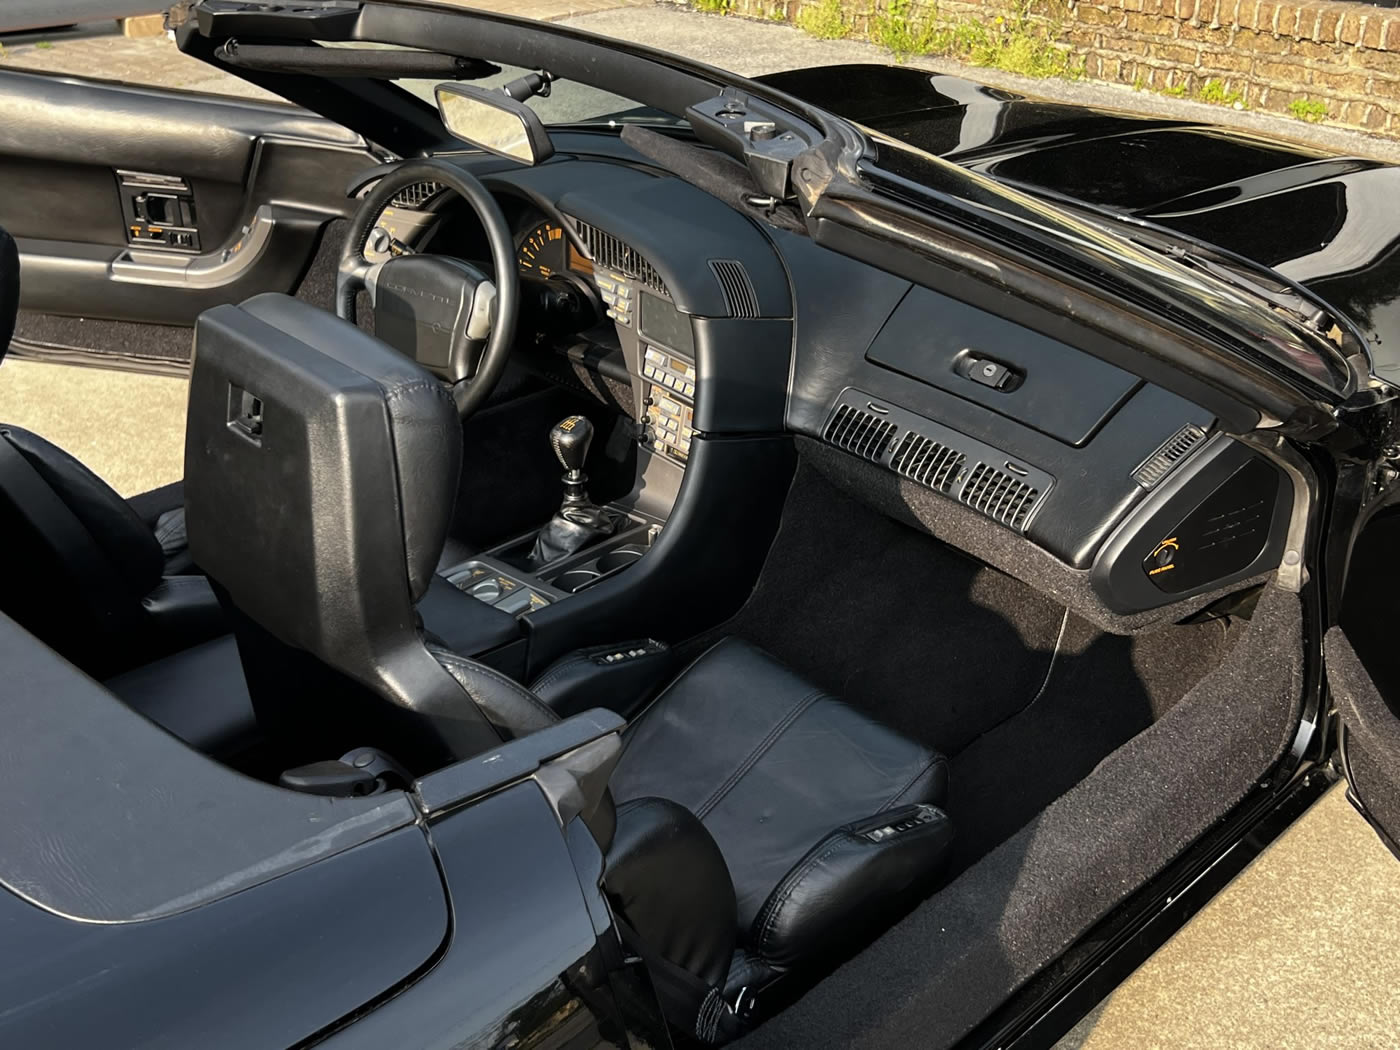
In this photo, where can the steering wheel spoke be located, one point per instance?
(488, 309)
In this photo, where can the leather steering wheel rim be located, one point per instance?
(468, 394)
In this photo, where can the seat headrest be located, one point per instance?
(9, 290)
(321, 469)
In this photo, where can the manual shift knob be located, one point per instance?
(570, 439)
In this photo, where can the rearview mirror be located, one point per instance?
(495, 122)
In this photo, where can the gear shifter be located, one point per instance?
(578, 522)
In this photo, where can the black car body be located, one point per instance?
(942, 394)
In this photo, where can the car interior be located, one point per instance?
(936, 636)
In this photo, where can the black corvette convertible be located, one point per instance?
(852, 558)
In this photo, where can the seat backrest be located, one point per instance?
(321, 468)
(77, 560)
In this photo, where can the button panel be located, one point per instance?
(616, 294)
(669, 423)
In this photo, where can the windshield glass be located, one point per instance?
(567, 102)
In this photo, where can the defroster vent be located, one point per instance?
(859, 431)
(1171, 452)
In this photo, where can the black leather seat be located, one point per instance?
(83, 569)
(756, 825)
(790, 782)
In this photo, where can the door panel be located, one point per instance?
(135, 207)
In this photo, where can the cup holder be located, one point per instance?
(619, 558)
(576, 579)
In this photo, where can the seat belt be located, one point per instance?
(54, 522)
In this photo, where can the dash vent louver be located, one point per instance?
(1171, 452)
(739, 294)
(858, 431)
(415, 195)
(926, 461)
(977, 475)
(612, 253)
(998, 495)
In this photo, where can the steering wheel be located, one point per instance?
(445, 313)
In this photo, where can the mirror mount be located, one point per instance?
(495, 122)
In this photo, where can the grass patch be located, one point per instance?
(1016, 41)
(43, 45)
(825, 20)
(1213, 91)
(905, 30)
(713, 7)
(1309, 109)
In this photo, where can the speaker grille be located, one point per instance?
(738, 290)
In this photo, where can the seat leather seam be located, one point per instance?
(755, 756)
(785, 890)
(936, 760)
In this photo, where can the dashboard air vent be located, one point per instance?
(611, 253)
(864, 433)
(998, 495)
(415, 195)
(1171, 452)
(927, 461)
(738, 290)
(938, 457)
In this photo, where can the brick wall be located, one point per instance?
(1343, 55)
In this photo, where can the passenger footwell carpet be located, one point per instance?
(1024, 697)
(955, 958)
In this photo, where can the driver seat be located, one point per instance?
(763, 826)
(106, 582)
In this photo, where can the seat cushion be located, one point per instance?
(769, 763)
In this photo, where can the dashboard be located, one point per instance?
(1005, 439)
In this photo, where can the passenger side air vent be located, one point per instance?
(610, 253)
(927, 461)
(864, 433)
(998, 495)
(415, 195)
(937, 457)
(1172, 451)
(738, 290)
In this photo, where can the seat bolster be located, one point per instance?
(116, 530)
(511, 709)
(850, 884)
(668, 879)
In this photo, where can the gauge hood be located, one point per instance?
(1326, 222)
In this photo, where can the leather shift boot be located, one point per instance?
(570, 530)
